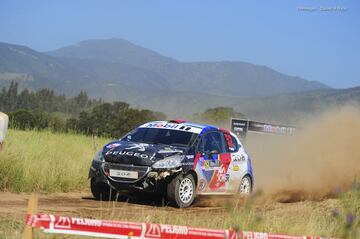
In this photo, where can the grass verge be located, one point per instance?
(33, 161)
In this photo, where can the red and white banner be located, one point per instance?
(118, 229)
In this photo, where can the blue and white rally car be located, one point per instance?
(177, 158)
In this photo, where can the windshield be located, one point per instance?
(161, 136)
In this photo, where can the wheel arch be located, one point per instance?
(251, 179)
(194, 174)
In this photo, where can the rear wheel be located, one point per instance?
(245, 185)
(101, 191)
(181, 190)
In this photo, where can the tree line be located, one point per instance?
(44, 99)
(44, 109)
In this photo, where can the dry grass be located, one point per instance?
(34, 161)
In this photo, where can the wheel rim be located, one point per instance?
(245, 186)
(186, 190)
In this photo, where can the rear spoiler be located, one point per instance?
(241, 126)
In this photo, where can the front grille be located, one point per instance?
(141, 170)
(128, 159)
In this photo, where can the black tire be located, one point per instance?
(246, 186)
(181, 190)
(101, 191)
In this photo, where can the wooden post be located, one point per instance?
(32, 209)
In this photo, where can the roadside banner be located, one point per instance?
(118, 229)
(241, 126)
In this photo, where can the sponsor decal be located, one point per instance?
(178, 230)
(170, 151)
(172, 126)
(86, 222)
(229, 141)
(138, 147)
(162, 125)
(255, 235)
(238, 157)
(270, 128)
(239, 127)
(202, 184)
(63, 223)
(211, 164)
(114, 145)
(129, 153)
(153, 231)
(222, 176)
(157, 230)
(236, 168)
(278, 129)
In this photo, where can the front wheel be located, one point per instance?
(245, 185)
(181, 190)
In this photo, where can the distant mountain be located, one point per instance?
(238, 79)
(116, 69)
(38, 70)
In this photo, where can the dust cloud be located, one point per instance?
(320, 161)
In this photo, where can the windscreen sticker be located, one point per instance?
(166, 125)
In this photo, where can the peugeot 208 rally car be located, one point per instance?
(178, 158)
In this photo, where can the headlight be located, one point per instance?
(169, 162)
(99, 156)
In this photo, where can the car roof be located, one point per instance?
(187, 123)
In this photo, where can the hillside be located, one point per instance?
(37, 70)
(238, 79)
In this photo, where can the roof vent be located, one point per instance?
(177, 121)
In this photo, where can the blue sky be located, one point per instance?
(316, 45)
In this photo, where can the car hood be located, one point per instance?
(141, 154)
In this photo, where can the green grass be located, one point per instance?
(33, 161)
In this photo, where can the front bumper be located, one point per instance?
(149, 179)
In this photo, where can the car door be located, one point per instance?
(212, 164)
(237, 164)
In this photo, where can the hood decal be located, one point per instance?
(127, 152)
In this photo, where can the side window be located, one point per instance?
(212, 142)
(231, 143)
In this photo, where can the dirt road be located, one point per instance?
(83, 204)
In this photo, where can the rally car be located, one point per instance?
(177, 158)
